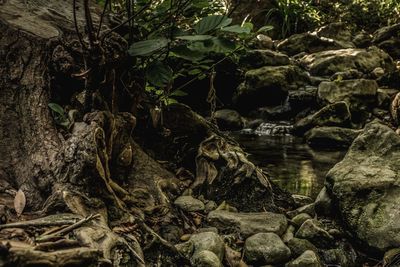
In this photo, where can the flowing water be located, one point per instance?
(291, 163)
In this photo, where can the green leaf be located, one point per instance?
(236, 29)
(194, 37)
(222, 45)
(210, 23)
(147, 47)
(57, 109)
(178, 93)
(184, 52)
(159, 74)
(266, 28)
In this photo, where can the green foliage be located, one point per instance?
(59, 115)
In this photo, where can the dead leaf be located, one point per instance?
(19, 202)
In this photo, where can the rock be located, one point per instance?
(265, 248)
(346, 75)
(392, 47)
(331, 137)
(289, 234)
(262, 41)
(365, 188)
(344, 256)
(248, 223)
(312, 231)
(189, 203)
(299, 219)
(309, 209)
(259, 58)
(307, 259)
(362, 40)
(199, 242)
(281, 112)
(205, 258)
(323, 203)
(377, 73)
(359, 94)
(210, 206)
(309, 43)
(300, 200)
(391, 256)
(303, 98)
(336, 30)
(337, 114)
(298, 246)
(327, 63)
(386, 33)
(268, 86)
(229, 120)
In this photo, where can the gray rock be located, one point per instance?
(327, 63)
(329, 137)
(344, 256)
(386, 33)
(309, 209)
(392, 47)
(303, 98)
(337, 114)
(189, 203)
(346, 75)
(210, 206)
(312, 231)
(262, 41)
(359, 94)
(338, 31)
(309, 43)
(365, 187)
(299, 219)
(298, 246)
(228, 119)
(259, 58)
(248, 223)
(289, 234)
(307, 259)
(362, 40)
(268, 86)
(323, 203)
(300, 200)
(265, 248)
(205, 258)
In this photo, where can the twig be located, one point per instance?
(37, 222)
(102, 18)
(66, 230)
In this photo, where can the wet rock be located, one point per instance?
(228, 119)
(289, 234)
(359, 94)
(197, 243)
(386, 33)
(344, 256)
(329, 137)
(365, 189)
(205, 258)
(327, 63)
(303, 98)
(323, 203)
(309, 209)
(268, 86)
(267, 128)
(298, 220)
(248, 223)
(337, 114)
(259, 58)
(281, 112)
(308, 259)
(309, 43)
(189, 203)
(362, 39)
(312, 231)
(392, 47)
(266, 248)
(298, 246)
(300, 200)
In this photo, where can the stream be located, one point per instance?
(291, 163)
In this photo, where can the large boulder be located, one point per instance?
(228, 119)
(258, 58)
(337, 114)
(360, 94)
(248, 223)
(365, 187)
(309, 43)
(266, 248)
(327, 63)
(328, 137)
(268, 86)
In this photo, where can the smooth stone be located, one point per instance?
(266, 248)
(189, 203)
(331, 137)
(200, 242)
(298, 246)
(312, 231)
(307, 259)
(299, 219)
(228, 119)
(309, 209)
(205, 258)
(248, 224)
(300, 200)
(289, 234)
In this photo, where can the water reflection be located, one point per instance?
(292, 164)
